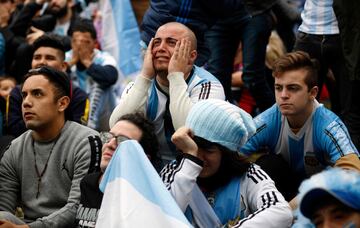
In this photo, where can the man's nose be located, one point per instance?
(42, 62)
(161, 46)
(26, 102)
(284, 93)
(112, 143)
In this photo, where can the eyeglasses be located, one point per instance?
(105, 137)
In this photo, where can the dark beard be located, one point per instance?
(58, 13)
(162, 73)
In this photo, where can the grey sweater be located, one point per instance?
(59, 191)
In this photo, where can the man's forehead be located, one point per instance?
(47, 51)
(292, 75)
(79, 34)
(171, 31)
(126, 128)
(35, 81)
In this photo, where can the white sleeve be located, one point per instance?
(266, 206)
(133, 99)
(181, 101)
(180, 179)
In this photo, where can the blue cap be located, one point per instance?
(221, 122)
(343, 185)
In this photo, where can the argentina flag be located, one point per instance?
(121, 38)
(134, 195)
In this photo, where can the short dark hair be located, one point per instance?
(295, 61)
(84, 25)
(148, 139)
(52, 41)
(58, 79)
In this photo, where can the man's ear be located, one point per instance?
(193, 56)
(64, 66)
(63, 103)
(313, 92)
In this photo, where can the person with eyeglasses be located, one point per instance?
(131, 126)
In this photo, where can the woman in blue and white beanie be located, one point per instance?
(212, 183)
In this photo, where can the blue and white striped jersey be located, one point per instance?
(319, 143)
(249, 200)
(318, 18)
(200, 85)
(102, 100)
(80, 78)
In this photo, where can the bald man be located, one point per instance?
(168, 85)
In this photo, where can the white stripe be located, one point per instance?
(128, 208)
(109, 41)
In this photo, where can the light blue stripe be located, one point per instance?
(128, 36)
(153, 103)
(204, 75)
(130, 163)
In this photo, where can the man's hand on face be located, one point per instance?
(35, 33)
(74, 57)
(180, 60)
(148, 70)
(6, 224)
(85, 54)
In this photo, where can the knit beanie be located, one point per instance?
(221, 122)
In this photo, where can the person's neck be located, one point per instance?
(66, 18)
(162, 79)
(48, 133)
(296, 122)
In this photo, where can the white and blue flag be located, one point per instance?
(134, 195)
(121, 38)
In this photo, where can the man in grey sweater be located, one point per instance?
(41, 169)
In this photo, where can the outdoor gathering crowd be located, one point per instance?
(246, 109)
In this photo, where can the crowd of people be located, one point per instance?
(246, 110)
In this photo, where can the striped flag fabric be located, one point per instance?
(134, 195)
(120, 36)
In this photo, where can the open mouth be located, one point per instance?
(162, 58)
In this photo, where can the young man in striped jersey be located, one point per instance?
(94, 71)
(169, 84)
(299, 129)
